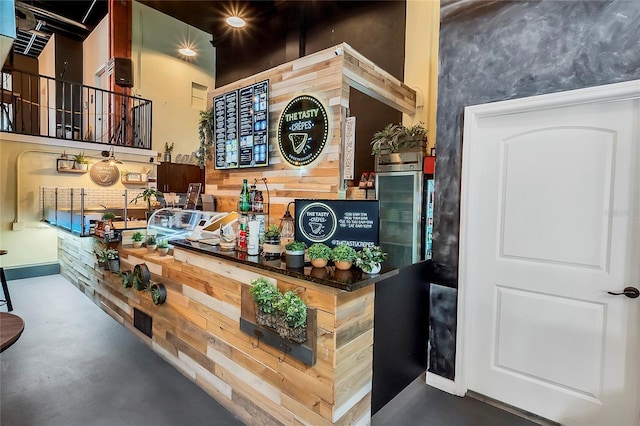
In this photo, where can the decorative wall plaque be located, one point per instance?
(303, 130)
(104, 174)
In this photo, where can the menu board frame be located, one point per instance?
(241, 127)
(334, 222)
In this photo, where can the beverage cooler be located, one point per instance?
(399, 181)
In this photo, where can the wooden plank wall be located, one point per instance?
(328, 77)
(198, 331)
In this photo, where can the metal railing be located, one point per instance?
(38, 105)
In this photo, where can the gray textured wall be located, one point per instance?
(502, 50)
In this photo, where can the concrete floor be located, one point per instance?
(74, 365)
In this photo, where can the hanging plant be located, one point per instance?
(205, 132)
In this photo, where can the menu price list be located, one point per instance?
(242, 128)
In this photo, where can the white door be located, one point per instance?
(550, 224)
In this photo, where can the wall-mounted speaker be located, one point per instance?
(123, 72)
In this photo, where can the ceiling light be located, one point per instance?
(111, 157)
(186, 51)
(235, 21)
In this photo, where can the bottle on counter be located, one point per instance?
(241, 240)
(252, 196)
(244, 197)
(258, 202)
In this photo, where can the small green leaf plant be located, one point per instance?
(137, 236)
(343, 253)
(296, 246)
(266, 295)
(319, 251)
(293, 309)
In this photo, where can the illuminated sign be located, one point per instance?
(303, 130)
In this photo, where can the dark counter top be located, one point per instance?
(344, 280)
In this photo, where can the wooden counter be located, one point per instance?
(198, 331)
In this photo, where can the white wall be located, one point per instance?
(95, 53)
(164, 76)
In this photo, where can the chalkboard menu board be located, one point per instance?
(241, 123)
(334, 222)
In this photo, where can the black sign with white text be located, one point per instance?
(303, 130)
(334, 222)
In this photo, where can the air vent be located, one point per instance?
(143, 322)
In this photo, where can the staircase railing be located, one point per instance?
(38, 105)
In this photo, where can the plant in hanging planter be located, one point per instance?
(114, 259)
(292, 321)
(101, 256)
(205, 133)
(267, 297)
(343, 256)
(127, 279)
(137, 238)
(295, 254)
(163, 247)
(369, 259)
(319, 254)
(158, 293)
(398, 137)
(271, 245)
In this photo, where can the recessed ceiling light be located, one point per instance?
(187, 51)
(236, 21)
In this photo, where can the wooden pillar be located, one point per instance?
(120, 33)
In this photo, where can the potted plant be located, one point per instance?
(398, 137)
(146, 195)
(158, 293)
(369, 259)
(113, 258)
(151, 244)
(343, 256)
(101, 256)
(292, 319)
(167, 151)
(127, 279)
(319, 254)
(107, 221)
(205, 133)
(267, 297)
(271, 245)
(295, 254)
(163, 247)
(137, 238)
(80, 161)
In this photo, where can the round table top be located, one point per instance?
(11, 327)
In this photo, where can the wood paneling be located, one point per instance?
(328, 77)
(197, 330)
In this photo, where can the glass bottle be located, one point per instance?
(244, 197)
(258, 202)
(252, 196)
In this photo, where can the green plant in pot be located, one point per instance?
(158, 293)
(137, 239)
(81, 161)
(319, 254)
(167, 151)
(147, 195)
(343, 256)
(294, 252)
(267, 297)
(205, 134)
(398, 137)
(113, 258)
(163, 247)
(100, 252)
(271, 245)
(151, 243)
(292, 318)
(369, 259)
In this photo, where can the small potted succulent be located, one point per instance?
(369, 259)
(113, 258)
(319, 254)
(137, 238)
(80, 161)
(163, 247)
(151, 244)
(295, 254)
(343, 256)
(271, 245)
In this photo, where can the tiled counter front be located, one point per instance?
(197, 330)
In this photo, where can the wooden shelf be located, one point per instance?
(67, 169)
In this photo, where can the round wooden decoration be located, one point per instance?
(104, 174)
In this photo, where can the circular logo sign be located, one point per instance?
(317, 222)
(303, 130)
(104, 174)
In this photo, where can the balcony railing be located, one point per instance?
(43, 106)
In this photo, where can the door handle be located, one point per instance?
(630, 292)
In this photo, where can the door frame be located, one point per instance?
(472, 115)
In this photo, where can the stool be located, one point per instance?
(5, 289)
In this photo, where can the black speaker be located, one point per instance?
(123, 72)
